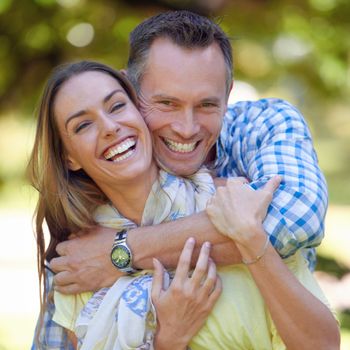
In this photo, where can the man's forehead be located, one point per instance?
(166, 57)
(186, 74)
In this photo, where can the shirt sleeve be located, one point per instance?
(51, 335)
(276, 140)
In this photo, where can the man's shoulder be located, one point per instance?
(250, 111)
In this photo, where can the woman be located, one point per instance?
(97, 151)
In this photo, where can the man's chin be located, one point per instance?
(177, 169)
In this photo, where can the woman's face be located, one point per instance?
(102, 131)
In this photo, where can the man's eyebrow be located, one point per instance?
(211, 99)
(82, 112)
(166, 97)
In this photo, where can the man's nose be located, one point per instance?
(186, 125)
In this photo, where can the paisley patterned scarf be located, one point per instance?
(123, 317)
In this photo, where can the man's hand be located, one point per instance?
(183, 308)
(236, 210)
(84, 263)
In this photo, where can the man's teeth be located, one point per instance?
(122, 147)
(180, 147)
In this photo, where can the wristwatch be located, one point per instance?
(121, 254)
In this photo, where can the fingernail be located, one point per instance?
(191, 240)
(155, 262)
(207, 245)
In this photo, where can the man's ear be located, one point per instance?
(124, 72)
(231, 86)
(230, 90)
(228, 95)
(72, 164)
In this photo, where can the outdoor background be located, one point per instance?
(294, 49)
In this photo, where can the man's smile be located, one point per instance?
(180, 147)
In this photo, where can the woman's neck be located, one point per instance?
(130, 197)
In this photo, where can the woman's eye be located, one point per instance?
(81, 126)
(117, 106)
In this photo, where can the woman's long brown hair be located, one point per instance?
(66, 198)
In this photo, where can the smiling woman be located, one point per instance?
(104, 134)
(92, 163)
(91, 114)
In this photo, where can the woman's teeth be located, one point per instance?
(124, 156)
(180, 147)
(119, 149)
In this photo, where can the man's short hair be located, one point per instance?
(184, 28)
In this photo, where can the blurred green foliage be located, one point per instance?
(294, 49)
(298, 50)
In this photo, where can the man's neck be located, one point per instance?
(211, 156)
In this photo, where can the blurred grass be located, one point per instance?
(16, 333)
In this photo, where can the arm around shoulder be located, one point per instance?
(296, 216)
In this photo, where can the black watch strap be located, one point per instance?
(119, 237)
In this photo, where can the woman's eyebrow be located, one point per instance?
(75, 115)
(108, 97)
(82, 112)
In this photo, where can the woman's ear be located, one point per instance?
(72, 164)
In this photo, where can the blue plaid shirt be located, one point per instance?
(268, 137)
(258, 140)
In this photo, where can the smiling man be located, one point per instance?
(185, 110)
(181, 65)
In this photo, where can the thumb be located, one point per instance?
(157, 283)
(272, 185)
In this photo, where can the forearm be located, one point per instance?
(85, 263)
(73, 339)
(301, 319)
(165, 242)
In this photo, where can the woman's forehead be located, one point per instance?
(83, 90)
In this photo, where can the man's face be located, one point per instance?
(183, 100)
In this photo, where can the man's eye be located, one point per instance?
(81, 126)
(117, 106)
(166, 103)
(208, 105)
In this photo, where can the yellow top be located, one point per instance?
(239, 320)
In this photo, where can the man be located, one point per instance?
(181, 65)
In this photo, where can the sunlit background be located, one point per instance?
(294, 49)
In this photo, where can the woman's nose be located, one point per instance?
(108, 126)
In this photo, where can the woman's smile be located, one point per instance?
(121, 150)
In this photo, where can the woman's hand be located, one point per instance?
(237, 211)
(182, 309)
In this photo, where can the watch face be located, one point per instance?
(120, 256)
